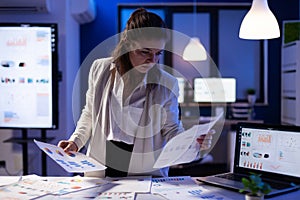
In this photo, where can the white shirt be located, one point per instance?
(124, 119)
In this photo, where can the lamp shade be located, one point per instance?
(194, 51)
(259, 22)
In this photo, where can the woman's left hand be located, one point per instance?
(205, 140)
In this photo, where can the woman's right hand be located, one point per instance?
(68, 145)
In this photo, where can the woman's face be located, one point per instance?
(147, 54)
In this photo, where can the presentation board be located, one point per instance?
(29, 76)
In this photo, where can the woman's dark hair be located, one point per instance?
(141, 24)
(141, 18)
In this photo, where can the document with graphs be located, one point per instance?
(71, 161)
(184, 147)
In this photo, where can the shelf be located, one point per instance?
(27, 140)
(290, 80)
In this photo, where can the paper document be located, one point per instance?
(36, 187)
(139, 184)
(182, 187)
(72, 161)
(100, 192)
(161, 185)
(198, 192)
(184, 147)
(114, 188)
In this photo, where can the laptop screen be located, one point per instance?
(268, 148)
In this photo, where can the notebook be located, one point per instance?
(267, 149)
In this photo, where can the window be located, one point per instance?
(217, 26)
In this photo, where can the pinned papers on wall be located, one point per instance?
(71, 161)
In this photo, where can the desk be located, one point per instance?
(4, 180)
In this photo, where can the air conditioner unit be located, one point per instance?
(83, 11)
(23, 6)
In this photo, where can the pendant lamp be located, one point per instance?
(259, 22)
(194, 51)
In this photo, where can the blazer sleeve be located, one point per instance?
(83, 129)
(173, 124)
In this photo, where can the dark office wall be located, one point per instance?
(283, 10)
(105, 26)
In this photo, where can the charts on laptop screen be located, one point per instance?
(28, 72)
(270, 150)
(214, 90)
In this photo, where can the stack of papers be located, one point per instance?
(35, 187)
(32, 186)
(51, 188)
(182, 188)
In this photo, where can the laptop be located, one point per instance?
(267, 149)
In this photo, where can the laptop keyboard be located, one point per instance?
(236, 177)
(230, 176)
(279, 186)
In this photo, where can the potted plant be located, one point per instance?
(250, 91)
(251, 95)
(254, 187)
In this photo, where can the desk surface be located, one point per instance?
(4, 180)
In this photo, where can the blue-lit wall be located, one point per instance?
(106, 25)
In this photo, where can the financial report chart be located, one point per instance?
(270, 150)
